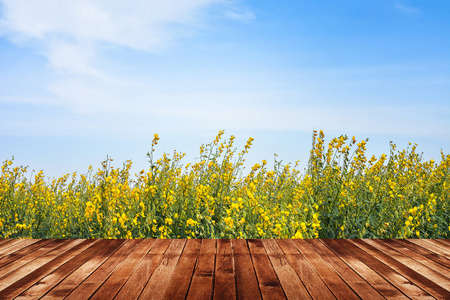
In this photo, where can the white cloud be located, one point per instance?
(406, 8)
(246, 16)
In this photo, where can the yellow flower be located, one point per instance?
(191, 222)
(169, 221)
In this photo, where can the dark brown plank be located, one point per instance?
(290, 282)
(71, 282)
(394, 259)
(431, 247)
(28, 268)
(48, 282)
(310, 279)
(354, 281)
(269, 284)
(19, 254)
(24, 283)
(202, 281)
(157, 285)
(181, 279)
(224, 282)
(424, 256)
(30, 257)
(246, 282)
(96, 279)
(335, 283)
(392, 276)
(117, 279)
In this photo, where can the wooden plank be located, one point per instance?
(391, 257)
(16, 246)
(441, 244)
(314, 285)
(269, 284)
(372, 277)
(424, 256)
(202, 281)
(429, 246)
(137, 281)
(48, 282)
(292, 286)
(30, 257)
(417, 266)
(24, 283)
(17, 255)
(30, 267)
(157, 285)
(101, 274)
(329, 276)
(225, 281)
(393, 277)
(181, 279)
(351, 278)
(246, 282)
(71, 282)
(6, 242)
(117, 279)
(445, 242)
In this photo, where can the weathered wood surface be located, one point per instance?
(224, 269)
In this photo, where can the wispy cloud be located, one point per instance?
(245, 16)
(406, 8)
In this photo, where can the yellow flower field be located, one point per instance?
(342, 194)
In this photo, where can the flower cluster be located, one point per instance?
(341, 194)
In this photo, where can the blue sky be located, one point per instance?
(84, 79)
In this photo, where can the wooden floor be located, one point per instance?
(224, 269)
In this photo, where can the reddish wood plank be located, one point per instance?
(26, 269)
(137, 281)
(335, 283)
(15, 246)
(117, 279)
(392, 276)
(441, 244)
(202, 281)
(372, 277)
(24, 283)
(17, 255)
(7, 243)
(269, 284)
(391, 257)
(4, 241)
(71, 282)
(96, 279)
(30, 257)
(431, 247)
(354, 281)
(181, 279)
(290, 282)
(432, 260)
(310, 279)
(225, 281)
(157, 285)
(246, 282)
(417, 266)
(48, 282)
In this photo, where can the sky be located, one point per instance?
(80, 80)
